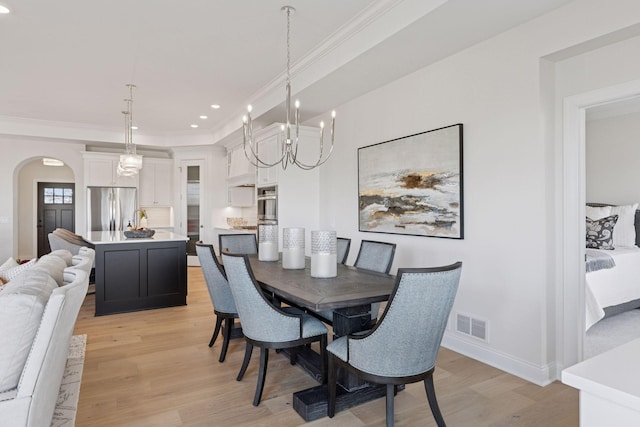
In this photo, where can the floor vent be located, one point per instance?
(469, 326)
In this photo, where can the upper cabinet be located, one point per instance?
(239, 171)
(268, 144)
(156, 182)
(100, 171)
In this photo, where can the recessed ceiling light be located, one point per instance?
(134, 127)
(215, 106)
(194, 126)
(4, 9)
(204, 117)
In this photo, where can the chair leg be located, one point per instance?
(262, 373)
(247, 356)
(323, 359)
(216, 330)
(333, 374)
(390, 394)
(433, 403)
(226, 336)
(293, 355)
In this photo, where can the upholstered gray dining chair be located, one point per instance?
(244, 243)
(378, 257)
(224, 306)
(343, 244)
(403, 346)
(267, 326)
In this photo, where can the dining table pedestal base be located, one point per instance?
(312, 403)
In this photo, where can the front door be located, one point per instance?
(56, 209)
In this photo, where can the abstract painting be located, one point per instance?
(413, 185)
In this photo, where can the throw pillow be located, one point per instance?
(625, 230)
(12, 272)
(10, 263)
(600, 232)
(598, 212)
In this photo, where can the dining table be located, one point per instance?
(349, 295)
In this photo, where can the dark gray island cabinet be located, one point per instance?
(139, 274)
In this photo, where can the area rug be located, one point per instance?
(67, 405)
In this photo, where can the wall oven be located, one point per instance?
(267, 198)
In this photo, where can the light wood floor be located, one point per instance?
(154, 368)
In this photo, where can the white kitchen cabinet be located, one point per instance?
(268, 150)
(242, 196)
(156, 182)
(100, 170)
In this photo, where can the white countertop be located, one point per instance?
(105, 237)
(612, 375)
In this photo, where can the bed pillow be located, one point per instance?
(624, 234)
(600, 232)
(598, 212)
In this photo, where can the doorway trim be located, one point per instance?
(571, 321)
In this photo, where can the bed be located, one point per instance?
(612, 289)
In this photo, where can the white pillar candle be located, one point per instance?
(324, 265)
(324, 256)
(268, 251)
(293, 248)
(268, 242)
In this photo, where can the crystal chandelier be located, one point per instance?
(130, 162)
(288, 150)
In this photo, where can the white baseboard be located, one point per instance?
(540, 375)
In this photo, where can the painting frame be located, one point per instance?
(413, 185)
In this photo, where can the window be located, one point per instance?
(58, 196)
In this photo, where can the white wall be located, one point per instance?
(30, 174)
(497, 89)
(613, 159)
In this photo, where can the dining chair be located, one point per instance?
(378, 257)
(403, 346)
(224, 306)
(343, 244)
(267, 326)
(244, 243)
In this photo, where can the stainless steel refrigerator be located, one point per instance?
(110, 208)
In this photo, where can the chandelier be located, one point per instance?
(288, 149)
(130, 162)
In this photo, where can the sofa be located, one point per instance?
(38, 311)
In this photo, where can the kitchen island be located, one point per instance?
(139, 273)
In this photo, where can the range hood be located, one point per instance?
(244, 180)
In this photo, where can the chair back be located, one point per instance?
(375, 256)
(406, 340)
(261, 320)
(219, 290)
(343, 245)
(244, 243)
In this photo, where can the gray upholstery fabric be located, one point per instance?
(217, 284)
(261, 321)
(406, 340)
(343, 245)
(238, 243)
(375, 256)
(378, 257)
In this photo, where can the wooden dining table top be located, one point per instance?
(351, 287)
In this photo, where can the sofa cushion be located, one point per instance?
(64, 254)
(52, 265)
(21, 308)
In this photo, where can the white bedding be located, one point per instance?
(613, 286)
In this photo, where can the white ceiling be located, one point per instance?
(64, 65)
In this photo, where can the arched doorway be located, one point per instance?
(30, 174)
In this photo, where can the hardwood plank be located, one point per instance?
(154, 368)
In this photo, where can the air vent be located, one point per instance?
(468, 325)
